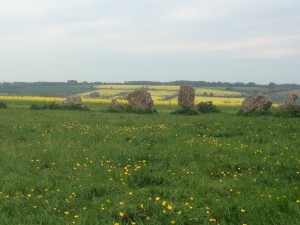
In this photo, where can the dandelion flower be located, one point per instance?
(121, 214)
(212, 220)
(170, 207)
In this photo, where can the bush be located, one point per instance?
(3, 105)
(207, 108)
(131, 109)
(185, 110)
(54, 106)
(292, 112)
(263, 112)
(94, 94)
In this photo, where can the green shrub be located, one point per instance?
(263, 112)
(292, 112)
(207, 108)
(130, 109)
(3, 105)
(54, 106)
(185, 110)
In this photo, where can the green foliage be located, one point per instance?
(54, 106)
(3, 105)
(130, 109)
(185, 110)
(207, 108)
(94, 94)
(262, 112)
(292, 112)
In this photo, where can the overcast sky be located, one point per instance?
(157, 40)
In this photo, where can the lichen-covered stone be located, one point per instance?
(116, 105)
(140, 100)
(186, 96)
(256, 103)
(289, 104)
(71, 101)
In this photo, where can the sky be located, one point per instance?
(154, 40)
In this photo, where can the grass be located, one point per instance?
(94, 167)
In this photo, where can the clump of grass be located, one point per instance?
(54, 106)
(38, 107)
(292, 112)
(207, 108)
(3, 105)
(262, 112)
(131, 109)
(185, 110)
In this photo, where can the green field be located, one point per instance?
(94, 167)
(158, 92)
(62, 90)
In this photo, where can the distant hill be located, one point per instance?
(32, 89)
(159, 90)
(286, 93)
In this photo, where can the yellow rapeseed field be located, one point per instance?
(160, 92)
(216, 100)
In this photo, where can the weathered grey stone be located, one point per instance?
(116, 105)
(289, 103)
(140, 100)
(71, 101)
(256, 103)
(186, 96)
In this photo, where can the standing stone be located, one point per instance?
(140, 100)
(256, 103)
(71, 101)
(289, 103)
(116, 105)
(186, 96)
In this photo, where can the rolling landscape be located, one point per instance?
(97, 167)
(149, 112)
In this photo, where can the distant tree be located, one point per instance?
(271, 85)
(94, 94)
(205, 94)
(251, 84)
(211, 94)
(72, 82)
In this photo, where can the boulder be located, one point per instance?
(71, 101)
(256, 103)
(140, 100)
(116, 105)
(186, 96)
(289, 103)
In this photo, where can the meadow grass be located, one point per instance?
(94, 167)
